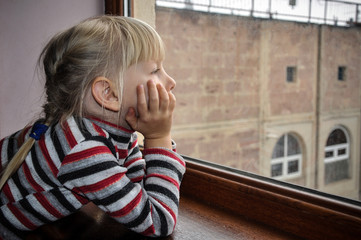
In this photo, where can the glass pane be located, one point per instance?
(279, 149)
(336, 171)
(336, 137)
(328, 154)
(293, 166)
(276, 170)
(293, 146)
(341, 152)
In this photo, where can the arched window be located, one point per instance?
(286, 157)
(337, 156)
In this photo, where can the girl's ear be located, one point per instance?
(105, 94)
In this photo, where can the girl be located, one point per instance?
(104, 81)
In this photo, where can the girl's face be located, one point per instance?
(140, 74)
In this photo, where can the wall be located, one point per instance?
(25, 28)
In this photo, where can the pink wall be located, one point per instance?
(25, 27)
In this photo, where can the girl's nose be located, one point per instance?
(169, 83)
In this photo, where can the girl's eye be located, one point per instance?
(155, 71)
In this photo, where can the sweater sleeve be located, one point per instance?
(134, 162)
(92, 171)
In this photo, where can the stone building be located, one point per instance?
(276, 98)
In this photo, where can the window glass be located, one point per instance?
(234, 62)
(291, 74)
(337, 136)
(337, 163)
(341, 76)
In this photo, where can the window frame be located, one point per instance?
(119, 7)
(285, 160)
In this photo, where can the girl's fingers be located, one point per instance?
(163, 98)
(153, 96)
(142, 105)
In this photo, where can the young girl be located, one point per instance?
(104, 81)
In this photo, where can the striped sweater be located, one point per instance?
(90, 160)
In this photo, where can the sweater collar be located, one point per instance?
(110, 127)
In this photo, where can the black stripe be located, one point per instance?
(164, 164)
(163, 221)
(106, 142)
(63, 200)
(56, 143)
(115, 196)
(134, 150)
(39, 170)
(91, 170)
(140, 219)
(119, 139)
(164, 191)
(11, 147)
(18, 184)
(135, 169)
(26, 205)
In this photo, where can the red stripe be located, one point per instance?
(137, 179)
(100, 185)
(7, 192)
(80, 198)
(46, 204)
(123, 153)
(149, 231)
(163, 152)
(99, 130)
(30, 179)
(129, 207)
(127, 163)
(87, 153)
(69, 135)
(21, 217)
(134, 143)
(169, 210)
(47, 157)
(169, 179)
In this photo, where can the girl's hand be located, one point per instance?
(154, 118)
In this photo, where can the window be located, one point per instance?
(286, 158)
(291, 74)
(337, 156)
(341, 75)
(240, 78)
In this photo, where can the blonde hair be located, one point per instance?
(100, 46)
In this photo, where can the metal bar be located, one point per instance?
(309, 11)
